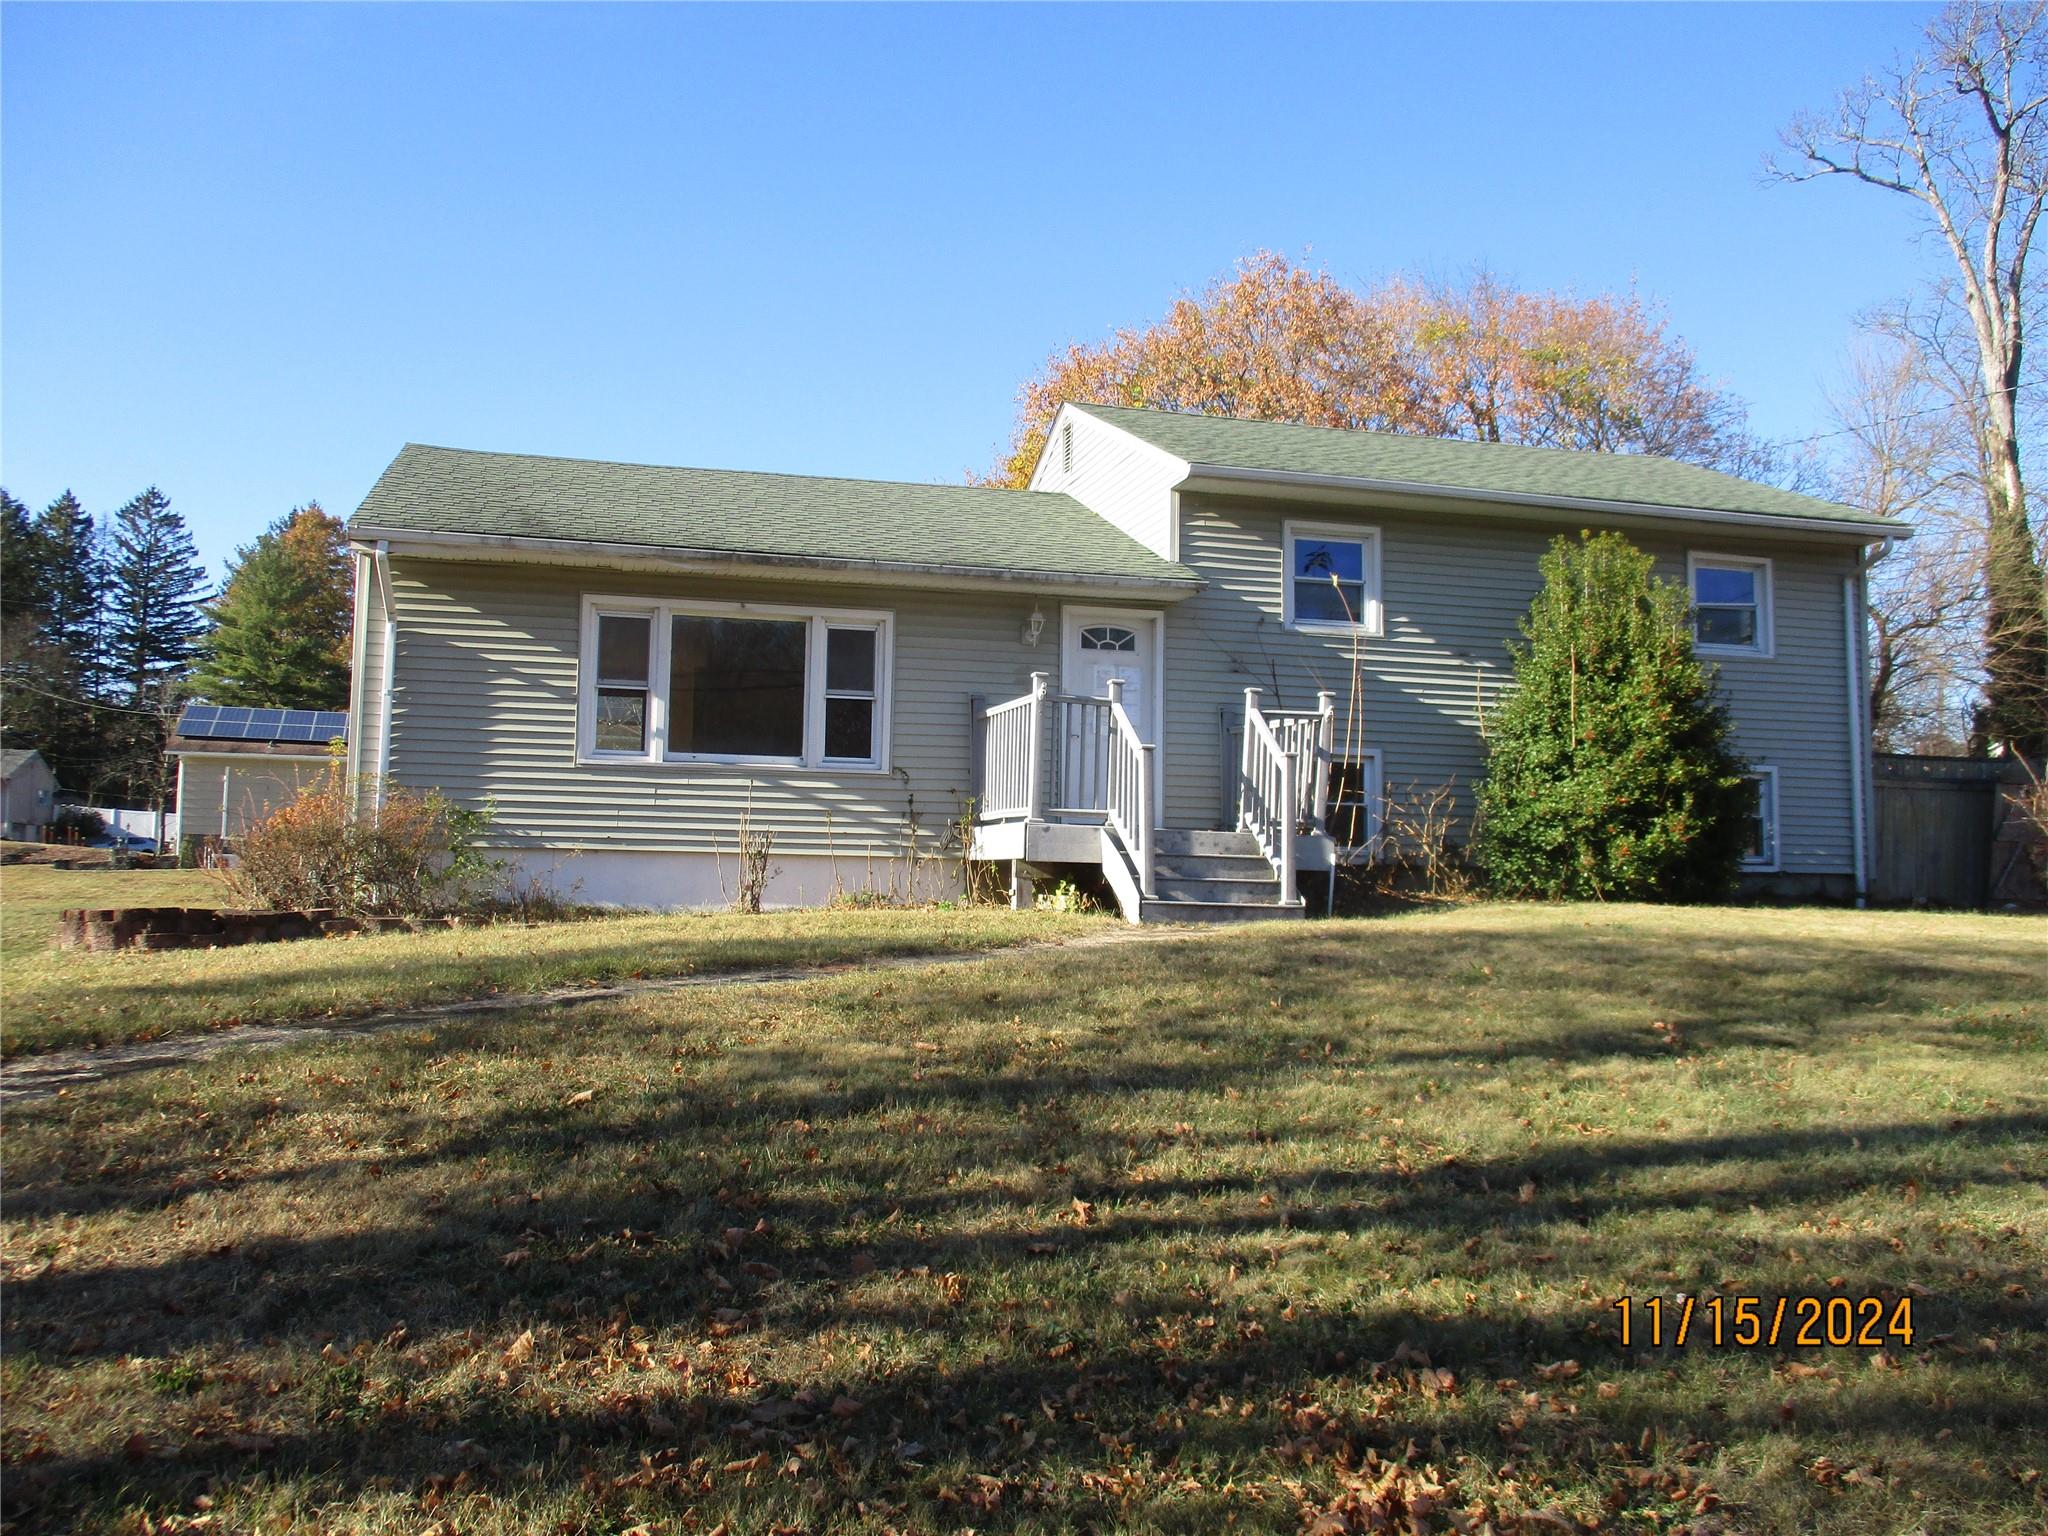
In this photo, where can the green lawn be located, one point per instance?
(1290, 1228)
(31, 896)
(69, 998)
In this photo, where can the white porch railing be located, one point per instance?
(1043, 755)
(1081, 755)
(1127, 782)
(1009, 777)
(1284, 779)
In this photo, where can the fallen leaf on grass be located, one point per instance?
(581, 1098)
(516, 1257)
(521, 1349)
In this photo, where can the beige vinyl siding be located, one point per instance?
(252, 784)
(485, 707)
(1453, 589)
(1118, 477)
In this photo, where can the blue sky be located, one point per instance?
(250, 251)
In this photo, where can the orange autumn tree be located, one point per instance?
(1476, 359)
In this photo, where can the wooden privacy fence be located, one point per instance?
(1951, 832)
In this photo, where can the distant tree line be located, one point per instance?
(107, 630)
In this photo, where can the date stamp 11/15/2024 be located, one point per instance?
(1766, 1322)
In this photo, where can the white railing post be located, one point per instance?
(1244, 767)
(1034, 765)
(1145, 818)
(1289, 818)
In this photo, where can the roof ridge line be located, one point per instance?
(1407, 437)
(710, 469)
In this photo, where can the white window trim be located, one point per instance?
(1766, 627)
(659, 611)
(1767, 803)
(587, 681)
(1375, 809)
(1373, 620)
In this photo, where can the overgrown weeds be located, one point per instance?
(364, 849)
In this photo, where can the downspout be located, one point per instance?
(381, 563)
(1854, 597)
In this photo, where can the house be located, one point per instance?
(236, 766)
(28, 794)
(1144, 662)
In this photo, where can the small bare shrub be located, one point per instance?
(981, 881)
(1419, 839)
(755, 871)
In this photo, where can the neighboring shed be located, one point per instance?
(236, 766)
(29, 790)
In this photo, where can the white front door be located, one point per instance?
(1101, 645)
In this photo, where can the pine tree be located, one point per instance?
(281, 624)
(75, 573)
(153, 607)
(24, 571)
(1609, 772)
(51, 644)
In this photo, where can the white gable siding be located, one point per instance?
(1454, 588)
(1122, 480)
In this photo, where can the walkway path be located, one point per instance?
(38, 1077)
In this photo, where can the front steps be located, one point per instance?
(1212, 877)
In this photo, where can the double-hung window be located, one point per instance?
(1731, 605)
(852, 684)
(1332, 578)
(1760, 821)
(619, 698)
(688, 682)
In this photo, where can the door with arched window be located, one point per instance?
(1104, 645)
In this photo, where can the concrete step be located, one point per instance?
(1229, 892)
(1155, 911)
(1178, 840)
(1211, 866)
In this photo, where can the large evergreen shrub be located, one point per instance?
(1609, 773)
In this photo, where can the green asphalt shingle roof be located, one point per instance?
(1504, 469)
(514, 495)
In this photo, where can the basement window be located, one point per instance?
(1760, 822)
(1353, 815)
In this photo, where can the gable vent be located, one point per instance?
(1067, 449)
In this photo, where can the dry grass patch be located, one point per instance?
(1285, 1228)
(58, 998)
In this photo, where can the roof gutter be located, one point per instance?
(670, 557)
(1864, 531)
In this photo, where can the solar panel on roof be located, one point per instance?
(217, 723)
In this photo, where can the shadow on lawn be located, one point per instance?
(640, 1186)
